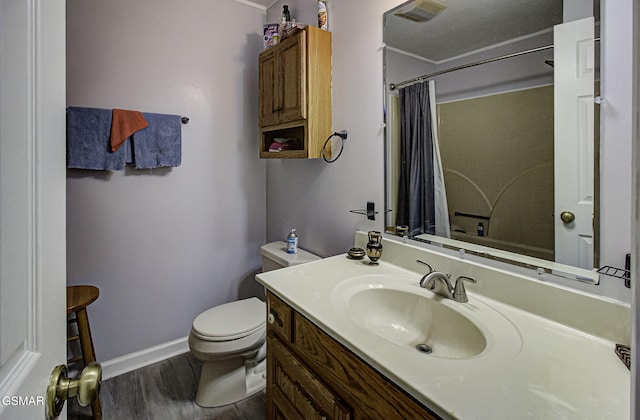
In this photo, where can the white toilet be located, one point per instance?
(230, 339)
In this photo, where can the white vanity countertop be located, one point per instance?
(543, 369)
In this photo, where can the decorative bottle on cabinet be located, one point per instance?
(374, 246)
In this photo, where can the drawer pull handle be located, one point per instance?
(273, 317)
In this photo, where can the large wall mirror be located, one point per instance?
(491, 126)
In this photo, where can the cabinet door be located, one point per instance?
(268, 101)
(293, 76)
(294, 392)
(367, 391)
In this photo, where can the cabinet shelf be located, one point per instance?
(294, 131)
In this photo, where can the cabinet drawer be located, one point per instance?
(297, 393)
(279, 317)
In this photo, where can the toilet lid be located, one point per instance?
(231, 320)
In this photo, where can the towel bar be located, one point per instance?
(184, 120)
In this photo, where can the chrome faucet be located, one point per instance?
(440, 284)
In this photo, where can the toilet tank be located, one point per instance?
(274, 256)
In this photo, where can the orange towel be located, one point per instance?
(123, 124)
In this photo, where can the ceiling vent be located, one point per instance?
(421, 10)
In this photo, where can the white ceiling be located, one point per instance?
(470, 25)
(260, 4)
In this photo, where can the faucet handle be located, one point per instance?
(431, 270)
(459, 292)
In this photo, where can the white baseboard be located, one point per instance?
(145, 357)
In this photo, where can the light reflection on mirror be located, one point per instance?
(494, 125)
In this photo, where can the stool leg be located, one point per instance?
(88, 353)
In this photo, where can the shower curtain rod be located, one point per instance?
(393, 86)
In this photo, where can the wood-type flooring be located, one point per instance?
(164, 391)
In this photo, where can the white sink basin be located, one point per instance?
(420, 323)
(416, 321)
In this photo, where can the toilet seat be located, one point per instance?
(231, 321)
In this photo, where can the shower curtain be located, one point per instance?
(422, 202)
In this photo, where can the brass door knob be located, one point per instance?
(567, 217)
(61, 388)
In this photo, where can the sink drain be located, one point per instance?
(424, 348)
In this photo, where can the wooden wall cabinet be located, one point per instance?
(294, 101)
(312, 376)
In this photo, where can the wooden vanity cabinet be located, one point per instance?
(294, 101)
(310, 375)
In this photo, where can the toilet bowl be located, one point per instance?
(229, 339)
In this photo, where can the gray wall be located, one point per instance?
(166, 244)
(616, 133)
(313, 196)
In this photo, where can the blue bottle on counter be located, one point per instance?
(292, 242)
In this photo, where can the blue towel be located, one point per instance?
(88, 141)
(160, 144)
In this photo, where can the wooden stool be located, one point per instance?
(78, 298)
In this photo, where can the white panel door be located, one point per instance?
(574, 68)
(32, 203)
